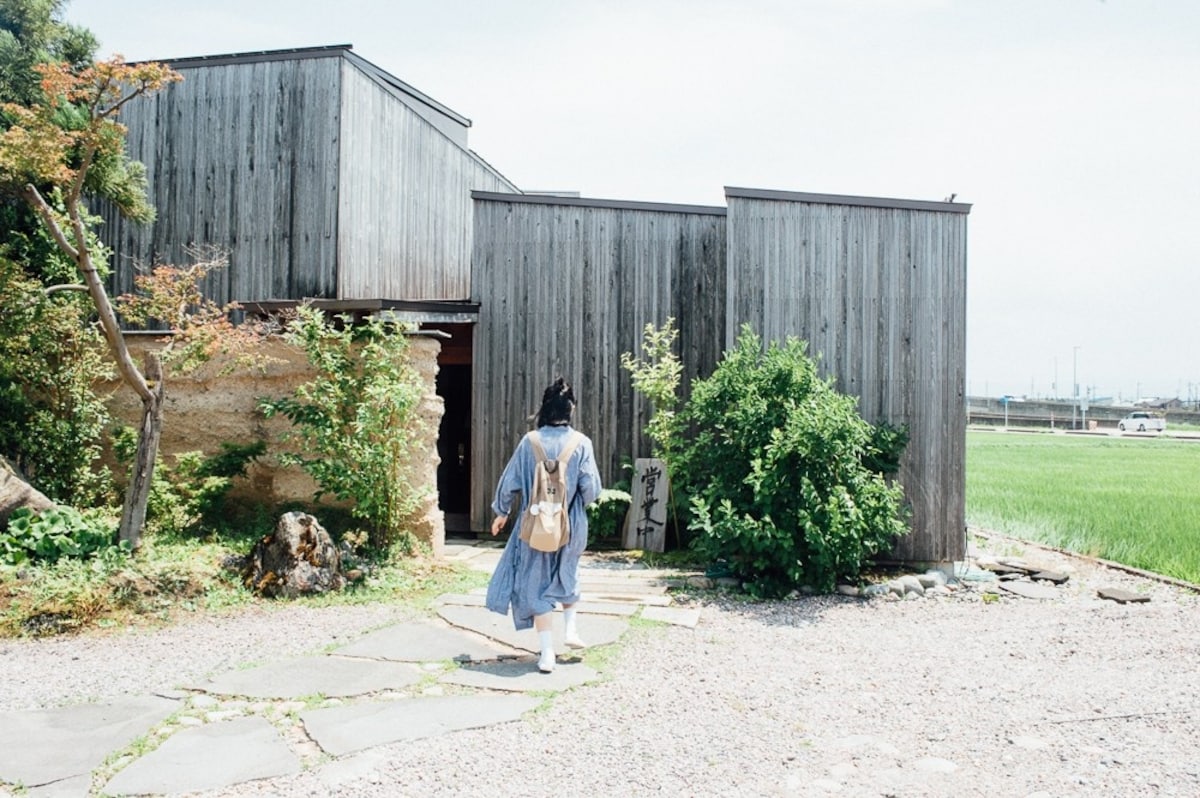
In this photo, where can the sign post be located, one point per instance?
(646, 521)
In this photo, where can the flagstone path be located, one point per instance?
(464, 668)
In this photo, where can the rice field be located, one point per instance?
(1133, 501)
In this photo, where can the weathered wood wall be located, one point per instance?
(878, 289)
(405, 226)
(241, 156)
(566, 286)
(318, 175)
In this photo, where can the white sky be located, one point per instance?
(1073, 126)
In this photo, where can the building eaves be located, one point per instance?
(841, 199)
(587, 202)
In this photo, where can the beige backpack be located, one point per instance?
(547, 525)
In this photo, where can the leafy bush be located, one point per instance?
(606, 515)
(188, 495)
(656, 376)
(357, 420)
(774, 472)
(51, 419)
(53, 533)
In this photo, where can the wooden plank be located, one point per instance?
(646, 521)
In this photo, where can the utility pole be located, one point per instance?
(1074, 385)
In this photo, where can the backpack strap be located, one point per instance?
(569, 446)
(535, 440)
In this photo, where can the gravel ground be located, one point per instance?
(947, 696)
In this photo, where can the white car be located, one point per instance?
(1142, 422)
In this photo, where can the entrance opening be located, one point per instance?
(454, 434)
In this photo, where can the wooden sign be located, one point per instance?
(646, 521)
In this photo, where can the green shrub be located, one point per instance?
(51, 419)
(606, 515)
(187, 496)
(356, 421)
(775, 476)
(53, 533)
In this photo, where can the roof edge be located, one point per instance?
(251, 56)
(732, 192)
(587, 202)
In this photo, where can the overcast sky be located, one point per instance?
(1072, 126)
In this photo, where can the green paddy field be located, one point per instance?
(1133, 501)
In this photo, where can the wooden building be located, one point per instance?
(878, 289)
(325, 178)
(565, 287)
(316, 172)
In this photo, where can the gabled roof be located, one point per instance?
(452, 124)
(421, 102)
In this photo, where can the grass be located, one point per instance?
(1131, 501)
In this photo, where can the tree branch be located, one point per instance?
(54, 289)
(83, 260)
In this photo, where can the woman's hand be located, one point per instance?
(498, 524)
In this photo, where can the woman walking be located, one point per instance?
(528, 581)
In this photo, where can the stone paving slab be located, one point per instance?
(678, 616)
(346, 729)
(595, 629)
(425, 641)
(338, 772)
(42, 746)
(1031, 590)
(77, 787)
(591, 585)
(318, 675)
(615, 596)
(521, 676)
(208, 758)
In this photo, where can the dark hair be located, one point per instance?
(558, 402)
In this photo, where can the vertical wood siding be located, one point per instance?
(880, 295)
(244, 158)
(564, 290)
(405, 211)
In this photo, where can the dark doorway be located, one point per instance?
(454, 434)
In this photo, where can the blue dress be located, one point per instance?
(531, 582)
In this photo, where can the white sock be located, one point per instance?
(569, 619)
(546, 639)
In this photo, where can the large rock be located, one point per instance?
(298, 559)
(16, 493)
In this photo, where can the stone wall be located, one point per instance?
(205, 409)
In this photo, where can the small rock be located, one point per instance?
(932, 579)
(1050, 576)
(225, 714)
(188, 720)
(871, 591)
(700, 582)
(1122, 596)
(729, 582)
(848, 590)
(896, 588)
(912, 585)
(436, 690)
(204, 701)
